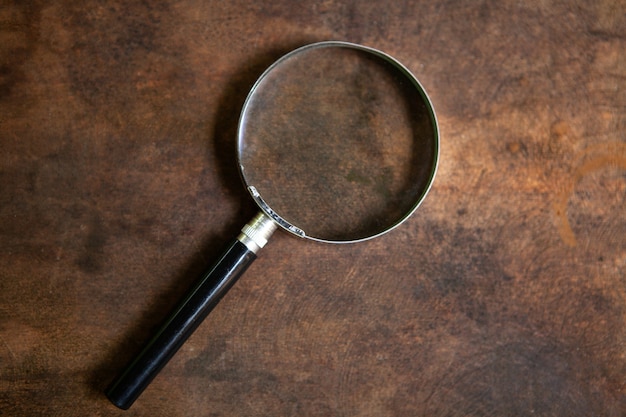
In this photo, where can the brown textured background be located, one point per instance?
(505, 295)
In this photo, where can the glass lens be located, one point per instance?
(339, 142)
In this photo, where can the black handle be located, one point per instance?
(181, 324)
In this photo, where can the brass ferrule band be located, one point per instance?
(256, 232)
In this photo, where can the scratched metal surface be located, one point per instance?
(504, 295)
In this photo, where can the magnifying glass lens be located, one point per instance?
(338, 142)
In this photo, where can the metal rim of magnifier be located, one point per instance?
(276, 217)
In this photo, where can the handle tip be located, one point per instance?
(119, 397)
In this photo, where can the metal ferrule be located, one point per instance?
(256, 233)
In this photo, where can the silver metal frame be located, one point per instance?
(266, 210)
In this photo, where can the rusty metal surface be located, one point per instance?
(504, 295)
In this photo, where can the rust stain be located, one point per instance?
(591, 160)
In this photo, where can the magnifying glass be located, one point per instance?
(338, 143)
